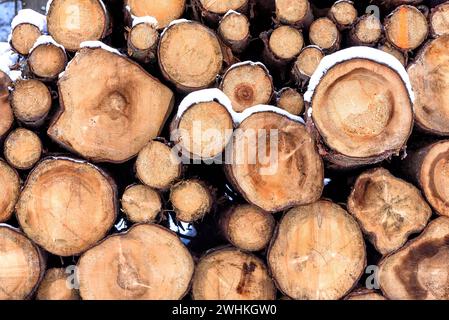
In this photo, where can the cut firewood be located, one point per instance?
(275, 162)
(247, 227)
(324, 34)
(141, 204)
(211, 10)
(290, 100)
(286, 42)
(294, 12)
(439, 20)
(21, 265)
(148, 262)
(388, 209)
(10, 186)
(7, 118)
(406, 28)
(306, 64)
(428, 77)
(22, 149)
(361, 108)
(55, 286)
(247, 84)
(419, 271)
(343, 14)
(190, 55)
(31, 102)
(71, 22)
(367, 31)
(110, 107)
(66, 206)
(23, 37)
(191, 200)
(230, 274)
(47, 60)
(234, 31)
(389, 48)
(157, 166)
(142, 42)
(318, 252)
(165, 11)
(364, 294)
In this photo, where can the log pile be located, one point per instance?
(235, 149)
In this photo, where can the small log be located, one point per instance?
(10, 186)
(230, 274)
(247, 227)
(142, 42)
(269, 149)
(67, 206)
(439, 20)
(398, 54)
(165, 11)
(47, 60)
(306, 64)
(22, 265)
(22, 149)
(190, 56)
(419, 270)
(31, 102)
(365, 295)
(324, 34)
(157, 166)
(23, 37)
(234, 31)
(318, 252)
(428, 77)
(131, 109)
(55, 286)
(296, 12)
(343, 14)
(7, 118)
(211, 11)
(367, 31)
(141, 203)
(290, 100)
(191, 200)
(247, 84)
(71, 22)
(285, 43)
(148, 262)
(388, 209)
(406, 28)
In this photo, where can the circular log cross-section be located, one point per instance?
(55, 286)
(298, 12)
(290, 100)
(419, 271)
(66, 206)
(10, 186)
(47, 61)
(247, 84)
(362, 111)
(234, 31)
(23, 37)
(275, 162)
(248, 227)
(430, 82)
(230, 274)
(286, 42)
(317, 253)
(324, 34)
(7, 118)
(21, 265)
(191, 200)
(31, 102)
(22, 149)
(141, 204)
(439, 20)
(190, 55)
(388, 209)
(157, 166)
(406, 28)
(165, 11)
(147, 263)
(142, 42)
(343, 14)
(105, 92)
(71, 22)
(306, 64)
(367, 31)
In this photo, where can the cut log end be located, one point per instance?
(343, 13)
(23, 37)
(147, 263)
(142, 42)
(306, 64)
(367, 31)
(22, 149)
(388, 209)
(10, 186)
(66, 206)
(247, 85)
(324, 34)
(7, 118)
(317, 253)
(230, 274)
(222, 7)
(290, 100)
(234, 31)
(56, 286)
(286, 42)
(191, 200)
(47, 61)
(439, 20)
(294, 12)
(141, 204)
(248, 227)
(165, 11)
(389, 48)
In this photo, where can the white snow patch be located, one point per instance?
(146, 19)
(31, 17)
(171, 24)
(249, 63)
(8, 58)
(231, 12)
(239, 117)
(352, 53)
(43, 40)
(99, 44)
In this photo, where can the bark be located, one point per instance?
(234, 31)
(367, 31)
(131, 111)
(31, 102)
(387, 209)
(236, 274)
(67, 200)
(343, 14)
(22, 149)
(365, 295)
(10, 186)
(290, 100)
(23, 37)
(141, 203)
(7, 118)
(327, 245)
(439, 20)
(398, 54)
(389, 4)
(142, 42)
(165, 11)
(118, 268)
(297, 13)
(211, 12)
(47, 61)
(55, 286)
(306, 64)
